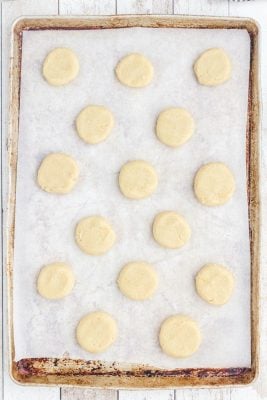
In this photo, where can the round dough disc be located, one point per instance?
(58, 173)
(60, 66)
(137, 179)
(55, 281)
(96, 332)
(174, 126)
(138, 280)
(213, 67)
(214, 184)
(215, 284)
(135, 70)
(94, 235)
(171, 230)
(94, 124)
(179, 336)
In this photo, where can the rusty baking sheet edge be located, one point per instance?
(52, 371)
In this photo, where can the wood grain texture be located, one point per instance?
(145, 6)
(201, 7)
(87, 7)
(10, 11)
(88, 394)
(203, 394)
(146, 395)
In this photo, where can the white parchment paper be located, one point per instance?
(45, 222)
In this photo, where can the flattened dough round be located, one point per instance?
(58, 173)
(215, 284)
(174, 126)
(94, 235)
(94, 124)
(138, 280)
(214, 184)
(135, 70)
(213, 67)
(171, 230)
(60, 66)
(96, 332)
(137, 179)
(179, 336)
(55, 280)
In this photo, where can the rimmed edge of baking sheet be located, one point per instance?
(51, 371)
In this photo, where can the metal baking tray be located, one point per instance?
(53, 371)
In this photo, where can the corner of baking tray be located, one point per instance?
(14, 375)
(252, 25)
(20, 23)
(253, 377)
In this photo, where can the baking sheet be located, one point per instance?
(45, 223)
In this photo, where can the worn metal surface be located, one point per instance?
(98, 374)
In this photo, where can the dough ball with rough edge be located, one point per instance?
(213, 67)
(137, 179)
(138, 280)
(60, 66)
(179, 336)
(174, 126)
(171, 230)
(215, 284)
(214, 184)
(96, 332)
(55, 281)
(94, 124)
(94, 235)
(135, 70)
(58, 173)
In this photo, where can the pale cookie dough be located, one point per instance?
(214, 184)
(213, 67)
(171, 230)
(174, 126)
(138, 280)
(179, 336)
(215, 284)
(134, 70)
(94, 235)
(94, 124)
(58, 173)
(96, 332)
(60, 66)
(137, 179)
(55, 281)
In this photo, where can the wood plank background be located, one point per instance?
(255, 9)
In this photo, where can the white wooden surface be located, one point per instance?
(255, 9)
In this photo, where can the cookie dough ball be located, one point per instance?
(58, 173)
(214, 184)
(174, 126)
(215, 284)
(60, 66)
(137, 179)
(135, 70)
(179, 336)
(96, 332)
(94, 235)
(138, 280)
(55, 281)
(94, 124)
(213, 67)
(171, 230)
